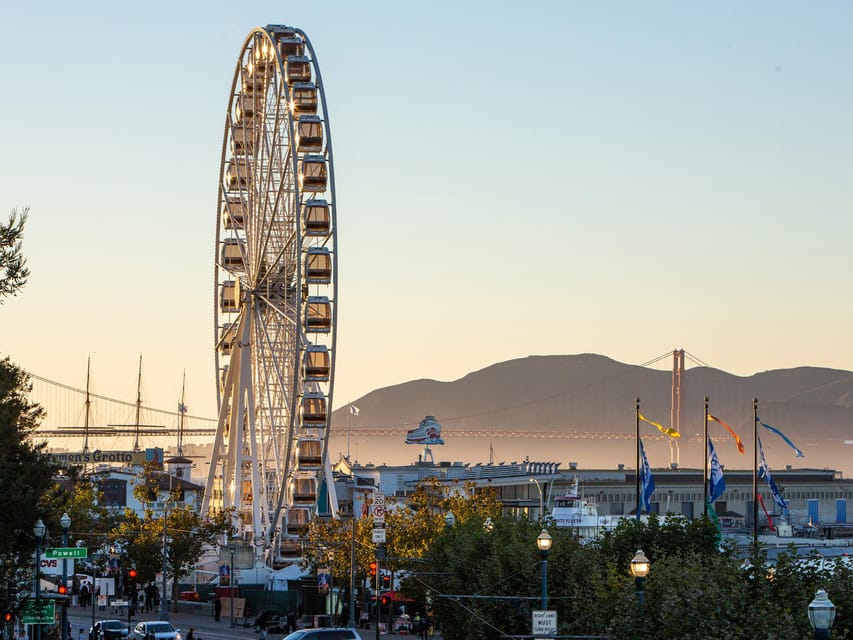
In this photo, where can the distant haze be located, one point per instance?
(551, 395)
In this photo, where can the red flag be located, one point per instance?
(731, 431)
(769, 519)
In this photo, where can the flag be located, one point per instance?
(730, 430)
(716, 483)
(667, 431)
(182, 408)
(718, 530)
(764, 473)
(763, 508)
(787, 440)
(354, 410)
(647, 482)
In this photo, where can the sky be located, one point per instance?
(512, 179)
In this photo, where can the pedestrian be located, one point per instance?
(191, 634)
(291, 622)
(80, 635)
(261, 636)
(84, 595)
(217, 608)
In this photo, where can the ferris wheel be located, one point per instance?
(275, 287)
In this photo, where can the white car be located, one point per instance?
(339, 633)
(161, 631)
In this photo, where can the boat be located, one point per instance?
(573, 510)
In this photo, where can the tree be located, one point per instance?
(25, 475)
(187, 534)
(13, 266)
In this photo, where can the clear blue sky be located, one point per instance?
(621, 178)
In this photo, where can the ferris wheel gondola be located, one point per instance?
(275, 283)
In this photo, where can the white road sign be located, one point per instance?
(544, 623)
(379, 498)
(379, 535)
(378, 513)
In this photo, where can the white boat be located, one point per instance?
(572, 510)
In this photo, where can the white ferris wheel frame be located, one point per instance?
(263, 336)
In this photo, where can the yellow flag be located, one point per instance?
(667, 431)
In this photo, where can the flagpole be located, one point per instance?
(349, 411)
(637, 412)
(705, 466)
(755, 472)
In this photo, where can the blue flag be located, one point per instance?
(787, 440)
(764, 473)
(647, 482)
(716, 483)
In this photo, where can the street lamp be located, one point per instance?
(38, 532)
(65, 522)
(232, 549)
(640, 567)
(543, 542)
(541, 510)
(821, 615)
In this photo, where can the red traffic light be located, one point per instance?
(372, 569)
(132, 573)
(62, 590)
(8, 617)
(385, 601)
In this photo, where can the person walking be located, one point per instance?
(84, 595)
(217, 608)
(191, 634)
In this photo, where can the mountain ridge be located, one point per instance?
(584, 393)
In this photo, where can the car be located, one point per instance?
(328, 633)
(109, 630)
(161, 631)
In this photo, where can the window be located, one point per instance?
(115, 492)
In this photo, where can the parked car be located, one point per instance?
(109, 630)
(334, 633)
(161, 631)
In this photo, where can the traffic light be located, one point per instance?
(385, 601)
(373, 569)
(132, 574)
(62, 590)
(7, 617)
(386, 581)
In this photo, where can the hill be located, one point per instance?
(548, 396)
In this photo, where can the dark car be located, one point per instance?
(109, 630)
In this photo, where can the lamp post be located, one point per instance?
(821, 615)
(38, 532)
(640, 567)
(543, 542)
(232, 548)
(65, 522)
(541, 510)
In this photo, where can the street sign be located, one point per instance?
(67, 552)
(544, 623)
(42, 611)
(379, 536)
(119, 603)
(378, 498)
(378, 513)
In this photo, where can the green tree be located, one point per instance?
(187, 535)
(25, 475)
(13, 266)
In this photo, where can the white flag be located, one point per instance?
(353, 410)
